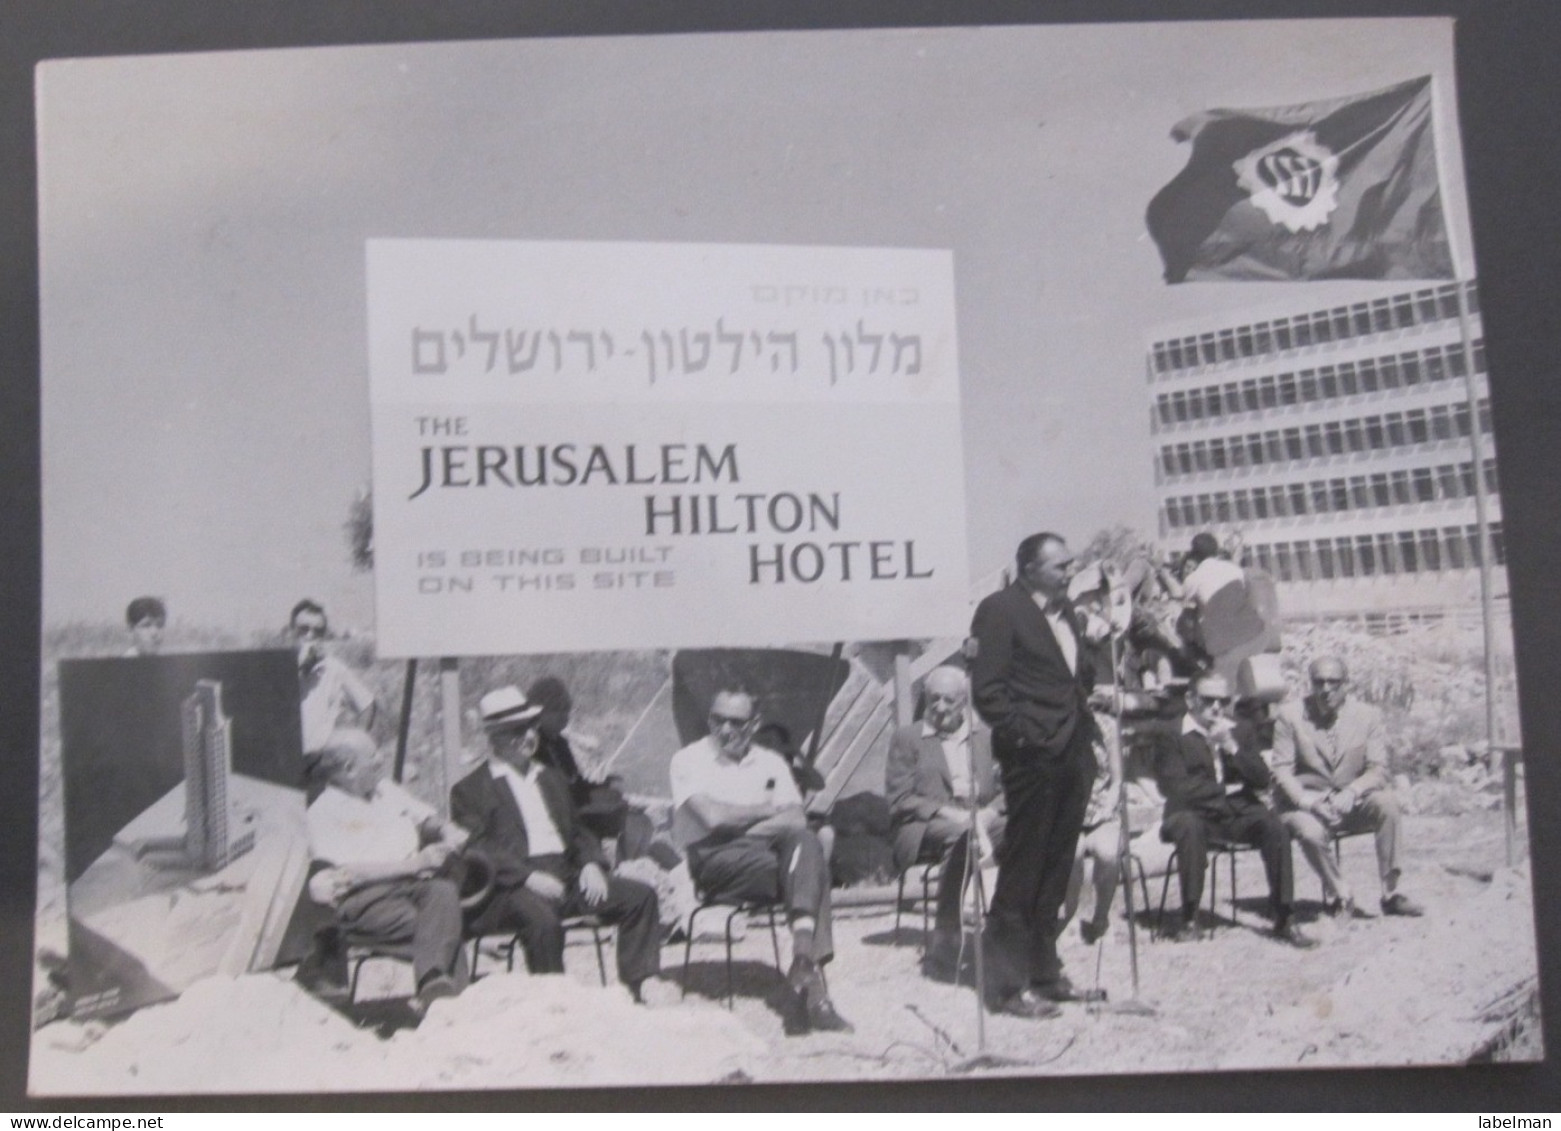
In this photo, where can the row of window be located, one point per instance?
(1258, 339)
(1326, 382)
(1377, 555)
(1328, 496)
(1330, 438)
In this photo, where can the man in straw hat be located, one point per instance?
(546, 864)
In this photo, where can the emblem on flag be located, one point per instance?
(1293, 180)
(1339, 189)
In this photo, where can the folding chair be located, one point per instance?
(739, 907)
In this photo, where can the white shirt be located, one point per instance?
(700, 769)
(956, 752)
(345, 830)
(542, 835)
(1190, 725)
(1061, 629)
(329, 686)
(1210, 576)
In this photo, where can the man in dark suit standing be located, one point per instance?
(1211, 775)
(936, 768)
(1031, 683)
(546, 864)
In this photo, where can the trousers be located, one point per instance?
(1047, 798)
(1245, 823)
(788, 865)
(1377, 813)
(630, 906)
(420, 916)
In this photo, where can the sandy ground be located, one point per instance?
(1376, 992)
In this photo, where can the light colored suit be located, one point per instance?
(918, 786)
(1313, 760)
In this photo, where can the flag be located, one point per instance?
(1343, 189)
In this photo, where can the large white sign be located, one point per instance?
(608, 445)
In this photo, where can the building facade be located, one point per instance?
(209, 840)
(1338, 442)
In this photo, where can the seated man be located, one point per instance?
(1331, 768)
(546, 864)
(929, 787)
(327, 686)
(145, 617)
(739, 819)
(384, 857)
(1211, 783)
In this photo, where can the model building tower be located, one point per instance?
(208, 757)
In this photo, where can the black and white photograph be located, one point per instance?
(977, 552)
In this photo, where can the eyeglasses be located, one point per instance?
(719, 721)
(1218, 700)
(310, 631)
(512, 734)
(1321, 681)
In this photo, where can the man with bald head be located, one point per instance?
(1331, 769)
(936, 768)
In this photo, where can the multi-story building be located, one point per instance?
(209, 840)
(1338, 443)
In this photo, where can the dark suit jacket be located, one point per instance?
(1022, 685)
(917, 784)
(484, 806)
(1184, 770)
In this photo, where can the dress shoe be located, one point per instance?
(794, 1013)
(436, 986)
(1063, 989)
(1092, 934)
(1345, 908)
(1182, 930)
(822, 1017)
(803, 973)
(1028, 1004)
(1400, 904)
(807, 985)
(940, 968)
(1288, 933)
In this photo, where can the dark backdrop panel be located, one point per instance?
(791, 688)
(121, 733)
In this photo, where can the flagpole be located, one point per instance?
(1482, 523)
(1465, 278)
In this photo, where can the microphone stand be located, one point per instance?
(1134, 1005)
(973, 857)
